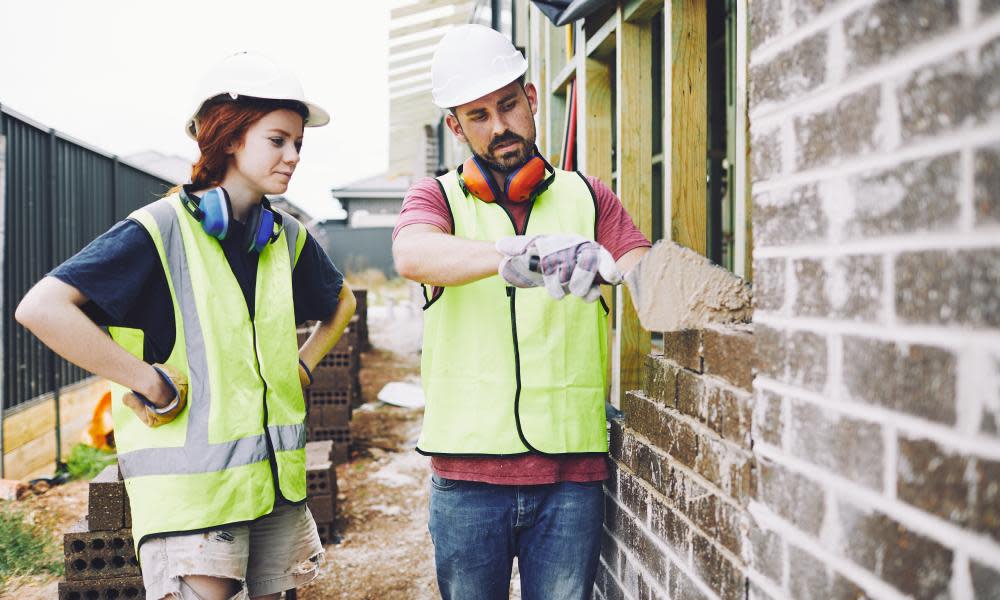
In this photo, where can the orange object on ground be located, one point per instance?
(101, 432)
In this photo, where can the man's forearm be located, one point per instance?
(441, 259)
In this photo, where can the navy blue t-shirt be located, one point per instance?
(122, 277)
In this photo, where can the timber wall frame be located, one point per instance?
(611, 66)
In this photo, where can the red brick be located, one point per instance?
(768, 425)
(809, 578)
(726, 353)
(684, 348)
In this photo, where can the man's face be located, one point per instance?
(499, 127)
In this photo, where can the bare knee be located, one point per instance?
(211, 588)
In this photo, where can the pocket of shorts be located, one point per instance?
(443, 484)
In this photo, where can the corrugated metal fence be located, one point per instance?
(60, 194)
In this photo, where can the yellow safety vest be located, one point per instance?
(217, 463)
(510, 371)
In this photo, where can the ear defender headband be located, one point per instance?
(523, 184)
(215, 213)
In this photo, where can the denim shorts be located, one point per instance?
(277, 552)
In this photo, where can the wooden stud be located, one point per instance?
(635, 154)
(689, 116)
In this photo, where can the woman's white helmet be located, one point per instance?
(255, 76)
(471, 61)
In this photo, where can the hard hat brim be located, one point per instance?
(316, 116)
(486, 87)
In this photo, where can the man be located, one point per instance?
(511, 253)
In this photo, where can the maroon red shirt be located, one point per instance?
(424, 203)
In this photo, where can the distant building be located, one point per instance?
(171, 167)
(373, 202)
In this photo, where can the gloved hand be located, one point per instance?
(566, 264)
(149, 413)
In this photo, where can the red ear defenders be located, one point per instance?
(215, 213)
(523, 184)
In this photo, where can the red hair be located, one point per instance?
(225, 123)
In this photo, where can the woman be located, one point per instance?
(201, 292)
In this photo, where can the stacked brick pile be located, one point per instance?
(321, 486)
(98, 549)
(361, 313)
(335, 391)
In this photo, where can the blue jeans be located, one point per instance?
(553, 530)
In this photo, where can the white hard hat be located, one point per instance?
(252, 75)
(471, 61)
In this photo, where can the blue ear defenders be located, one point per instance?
(215, 213)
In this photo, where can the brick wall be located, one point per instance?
(876, 136)
(850, 446)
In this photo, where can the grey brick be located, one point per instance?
(986, 514)
(768, 422)
(987, 194)
(916, 380)
(985, 581)
(938, 98)
(848, 129)
(916, 196)
(809, 579)
(790, 495)
(949, 287)
(806, 360)
(765, 157)
(767, 554)
(765, 21)
(804, 11)
(769, 283)
(790, 73)
(660, 381)
(789, 217)
(988, 80)
(769, 351)
(880, 31)
(915, 565)
(811, 284)
(862, 284)
(843, 445)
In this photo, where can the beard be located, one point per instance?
(510, 160)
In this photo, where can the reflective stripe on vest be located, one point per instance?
(509, 371)
(211, 465)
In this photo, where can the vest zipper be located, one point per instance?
(512, 294)
(271, 459)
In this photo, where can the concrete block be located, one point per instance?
(106, 501)
(323, 508)
(321, 479)
(93, 555)
(326, 532)
(121, 588)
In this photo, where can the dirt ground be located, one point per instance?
(385, 551)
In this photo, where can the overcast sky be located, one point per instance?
(120, 74)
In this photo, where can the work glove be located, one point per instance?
(148, 412)
(564, 264)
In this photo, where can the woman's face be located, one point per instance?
(270, 152)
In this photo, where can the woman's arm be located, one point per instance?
(51, 310)
(329, 331)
